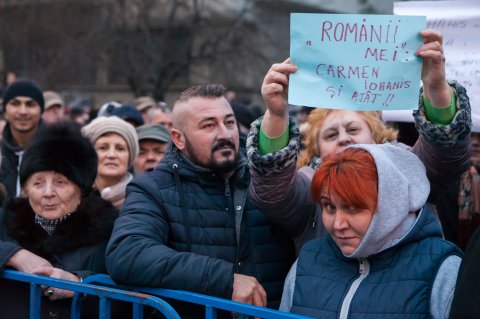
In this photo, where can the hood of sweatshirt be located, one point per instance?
(403, 189)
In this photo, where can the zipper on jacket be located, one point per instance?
(231, 204)
(227, 187)
(183, 203)
(364, 270)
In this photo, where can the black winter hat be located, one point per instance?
(61, 148)
(26, 88)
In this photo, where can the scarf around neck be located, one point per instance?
(49, 225)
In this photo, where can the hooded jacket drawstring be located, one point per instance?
(20, 156)
(186, 220)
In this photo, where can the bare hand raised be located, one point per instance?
(435, 86)
(274, 92)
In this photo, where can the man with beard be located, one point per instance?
(189, 225)
(23, 105)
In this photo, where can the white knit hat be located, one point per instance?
(112, 124)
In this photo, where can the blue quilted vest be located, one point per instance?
(397, 284)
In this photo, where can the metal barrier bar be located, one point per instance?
(110, 293)
(210, 312)
(137, 311)
(35, 301)
(104, 308)
(211, 303)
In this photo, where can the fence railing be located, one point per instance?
(104, 293)
(107, 290)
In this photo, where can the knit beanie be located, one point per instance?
(112, 124)
(61, 147)
(26, 88)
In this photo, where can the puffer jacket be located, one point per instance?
(406, 271)
(184, 227)
(283, 193)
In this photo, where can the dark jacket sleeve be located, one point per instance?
(277, 188)
(7, 250)
(465, 304)
(138, 252)
(444, 149)
(8, 246)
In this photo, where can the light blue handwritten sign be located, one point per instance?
(355, 62)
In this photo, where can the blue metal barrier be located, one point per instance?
(106, 289)
(105, 294)
(211, 304)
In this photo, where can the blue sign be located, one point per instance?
(355, 62)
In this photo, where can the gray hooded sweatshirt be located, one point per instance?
(403, 189)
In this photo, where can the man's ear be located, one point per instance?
(178, 138)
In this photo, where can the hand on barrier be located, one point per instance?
(26, 261)
(248, 290)
(56, 293)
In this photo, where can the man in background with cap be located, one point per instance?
(54, 106)
(143, 104)
(23, 105)
(153, 140)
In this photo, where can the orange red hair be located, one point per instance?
(351, 175)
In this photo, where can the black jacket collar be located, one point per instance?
(91, 224)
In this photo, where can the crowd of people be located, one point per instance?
(342, 221)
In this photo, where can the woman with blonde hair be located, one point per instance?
(380, 132)
(282, 192)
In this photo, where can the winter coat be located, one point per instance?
(77, 245)
(465, 304)
(184, 227)
(283, 193)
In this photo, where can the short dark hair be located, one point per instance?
(210, 90)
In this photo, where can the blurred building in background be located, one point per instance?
(101, 50)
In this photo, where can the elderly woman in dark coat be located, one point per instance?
(58, 227)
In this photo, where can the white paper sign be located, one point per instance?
(459, 22)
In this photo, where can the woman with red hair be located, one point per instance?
(384, 256)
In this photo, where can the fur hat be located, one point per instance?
(26, 88)
(112, 124)
(61, 148)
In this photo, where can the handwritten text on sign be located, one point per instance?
(356, 62)
(459, 22)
